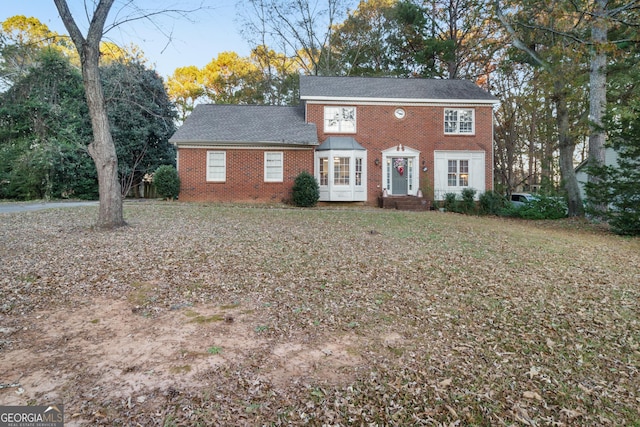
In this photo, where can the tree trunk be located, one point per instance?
(102, 150)
(567, 147)
(598, 90)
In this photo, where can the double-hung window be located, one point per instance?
(341, 171)
(273, 166)
(324, 170)
(216, 166)
(459, 121)
(458, 173)
(339, 119)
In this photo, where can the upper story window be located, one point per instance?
(459, 121)
(216, 166)
(340, 119)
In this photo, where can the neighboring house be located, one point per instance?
(610, 159)
(361, 137)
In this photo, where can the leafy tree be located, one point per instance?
(559, 59)
(184, 88)
(362, 44)
(44, 132)
(142, 120)
(446, 38)
(231, 79)
(299, 29)
(279, 77)
(22, 39)
(617, 185)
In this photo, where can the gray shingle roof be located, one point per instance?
(390, 88)
(340, 143)
(217, 123)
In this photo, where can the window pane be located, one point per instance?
(452, 180)
(458, 121)
(464, 173)
(466, 121)
(340, 119)
(450, 121)
(324, 171)
(273, 168)
(341, 170)
(453, 166)
(358, 171)
(216, 166)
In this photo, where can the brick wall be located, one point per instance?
(245, 175)
(377, 128)
(422, 129)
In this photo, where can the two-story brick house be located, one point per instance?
(360, 137)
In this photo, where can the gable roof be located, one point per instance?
(392, 89)
(246, 124)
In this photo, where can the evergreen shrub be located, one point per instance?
(167, 181)
(306, 190)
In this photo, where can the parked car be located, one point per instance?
(519, 199)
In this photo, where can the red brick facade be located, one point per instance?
(245, 175)
(377, 129)
(422, 129)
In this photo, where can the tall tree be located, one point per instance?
(560, 60)
(22, 39)
(231, 79)
(102, 149)
(298, 28)
(184, 88)
(362, 44)
(142, 120)
(44, 131)
(448, 38)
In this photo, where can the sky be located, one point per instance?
(194, 41)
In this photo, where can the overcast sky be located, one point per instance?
(212, 30)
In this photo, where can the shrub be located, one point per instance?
(167, 181)
(450, 202)
(544, 207)
(306, 190)
(468, 204)
(493, 203)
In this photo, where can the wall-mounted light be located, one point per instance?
(377, 162)
(424, 165)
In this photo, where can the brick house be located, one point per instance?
(361, 137)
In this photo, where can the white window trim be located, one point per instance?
(210, 178)
(477, 172)
(457, 132)
(280, 177)
(341, 130)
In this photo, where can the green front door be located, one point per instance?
(399, 175)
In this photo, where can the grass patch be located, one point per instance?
(502, 321)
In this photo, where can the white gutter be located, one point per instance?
(398, 100)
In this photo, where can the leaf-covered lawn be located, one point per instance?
(341, 316)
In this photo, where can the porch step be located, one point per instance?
(404, 203)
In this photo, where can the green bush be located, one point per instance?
(543, 207)
(450, 203)
(468, 205)
(167, 181)
(493, 203)
(306, 190)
